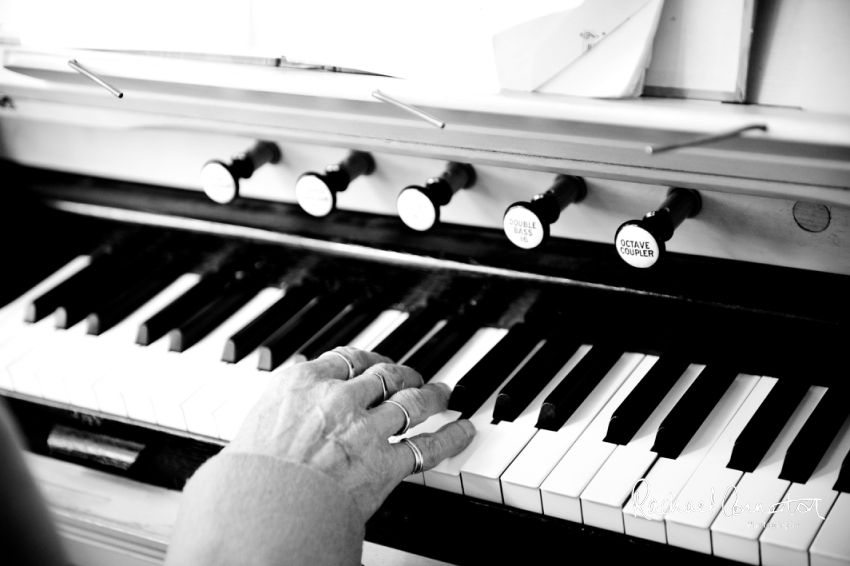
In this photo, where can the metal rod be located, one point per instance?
(702, 140)
(412, 109)
(83, 71)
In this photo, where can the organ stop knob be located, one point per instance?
(526, 224)
(419, 207)
(221, 180)
(316, 192)
(641, 242)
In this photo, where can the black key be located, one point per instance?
(645, 397)
(299, 329)
(114, 253)
(110, 285)
(183, 308)
(683, 421)
(439, 348)
(344, 330)
(241, 289)
(65, 292)
(577, 385)
(773, 414)
(417, 325)
(811, 443)
(491, 370)
(534, 375)
(246, 340)
(843, 481)
(108, 315)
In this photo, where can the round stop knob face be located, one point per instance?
(314, 195)
(416, 210)
(637, 246)
(219, 183)
(524, 228)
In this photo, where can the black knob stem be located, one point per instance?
(456, 176)
(244, 164)
(679, 205)
(566, 190)
(340, 175)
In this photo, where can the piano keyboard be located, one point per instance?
(569, 426)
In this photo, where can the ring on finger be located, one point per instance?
(345, 358)
(406, 416)
(418, 459)
(386, 392)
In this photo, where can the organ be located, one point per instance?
(144, 319)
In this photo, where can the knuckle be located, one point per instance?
(414, 377)
(415, 400)
(389, 371)
(432, 449)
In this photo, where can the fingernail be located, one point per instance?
(467, 427)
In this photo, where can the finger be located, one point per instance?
(367, 390)
(450, 440)
(333, 364)
(420, 403)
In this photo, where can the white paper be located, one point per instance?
(616, 66)
(444, 45)
(529, 54)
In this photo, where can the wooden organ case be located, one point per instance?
(756, 281)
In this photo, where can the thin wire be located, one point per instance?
(407, 107)
(83, 71)
(702, 140)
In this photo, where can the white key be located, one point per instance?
(602, 500)
(198, 364)
(12, 323)
(15, 311)
(26, 339)
(446, 475)
(433, 424)
(481, 472)
(383, 324)
(464, 359)
(832, 545)
(667, 477)
(200, 408)
(132, 365)
(703, 492)
(795, 523)
(56, 349)
(232, 413)
(93, 357)
(735, 535)
(522, 480)
(561, 491)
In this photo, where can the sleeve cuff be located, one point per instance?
(254, 509)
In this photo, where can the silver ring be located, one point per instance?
(418, 460)
(348, 362)
(383, 383)
(406, 416)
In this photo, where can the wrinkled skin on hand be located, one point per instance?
(310, 413)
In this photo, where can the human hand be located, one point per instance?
(313, 414)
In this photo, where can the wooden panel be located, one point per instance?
(802, 156)
(701, 50)
(801, 53)
(731, 226)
